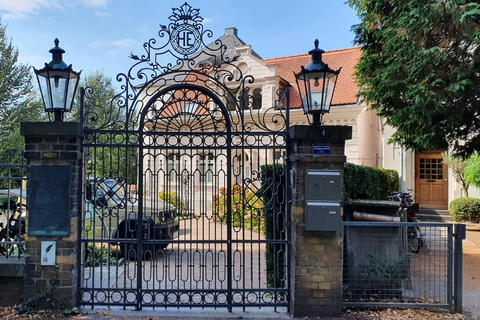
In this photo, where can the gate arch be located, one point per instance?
(185, 190)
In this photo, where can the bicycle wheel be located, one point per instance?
(413, 240)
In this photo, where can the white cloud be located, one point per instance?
(94, 3)
(34, 60)
(103, 14)
(210, 20)
(97, 44)
(21, 9)
(124, 43)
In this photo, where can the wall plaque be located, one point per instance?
(49, 195)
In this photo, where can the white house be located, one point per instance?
(425, 173)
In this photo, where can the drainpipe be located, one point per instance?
(401, 169)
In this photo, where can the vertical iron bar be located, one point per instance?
(450, 262)
(460, 235)
(139, 223)
(80, 202)
(288, 200)
(229, 220)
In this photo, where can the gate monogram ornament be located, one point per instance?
(186, 30)
(185, 187)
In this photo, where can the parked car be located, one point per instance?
(110, 215)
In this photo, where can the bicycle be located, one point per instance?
(12, 234)
(415, 239)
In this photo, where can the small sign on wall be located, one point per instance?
(48, 256)
(321, 149)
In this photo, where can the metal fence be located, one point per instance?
(13, 175)
(402, 265)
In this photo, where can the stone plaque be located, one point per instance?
(49, 195)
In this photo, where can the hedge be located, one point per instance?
(361, 182)
(465, 209)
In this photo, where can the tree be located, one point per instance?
(100, 109)
(17, 102)
(11, 141)
(472, 172)
(457, 165)
(113, 159)
(420, 70)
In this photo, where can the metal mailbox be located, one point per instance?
(322, 216)
(322, 200)
(323, 185)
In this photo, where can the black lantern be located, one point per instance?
(58, 83)
(316, 84)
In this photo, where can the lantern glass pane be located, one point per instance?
(58, 87)
(321, 99)
(45, 91)
(72, 85)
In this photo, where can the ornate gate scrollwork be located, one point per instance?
(186, 187)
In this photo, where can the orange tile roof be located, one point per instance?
(346, 90)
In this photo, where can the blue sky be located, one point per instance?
(100, 34)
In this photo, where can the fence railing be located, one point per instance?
(402, 264)
(13, 201)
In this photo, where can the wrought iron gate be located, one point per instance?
(185, 182)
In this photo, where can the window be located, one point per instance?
(244, 100)
(206, 168)
(431, 169)
(232, 100)
(257, 98)
(190, 107)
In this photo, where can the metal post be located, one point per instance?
(459, 236)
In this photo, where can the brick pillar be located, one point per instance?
(316, 256)
(54, 144)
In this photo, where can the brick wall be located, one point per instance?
(316, 259)
(11, 281)
(54, 144)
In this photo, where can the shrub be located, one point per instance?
(171, 197)
(99, 256)
(465, 209)
(247, 208)
(361, 182)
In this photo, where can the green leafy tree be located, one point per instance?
(113, 159)
(17, 102)
(100, 108)
(420, 70)
(457, 165)
(472, 172)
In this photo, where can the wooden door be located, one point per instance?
(431, 181)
